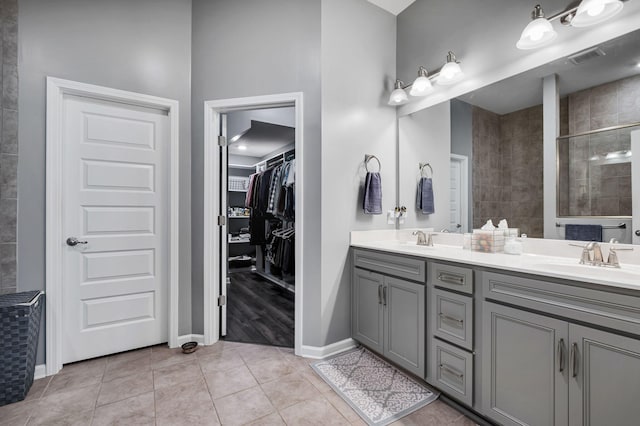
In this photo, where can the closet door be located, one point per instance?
(224, 239)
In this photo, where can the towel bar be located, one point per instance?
(421, 166)
(367, 158)
(618, 226)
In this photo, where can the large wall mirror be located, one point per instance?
(498, 129)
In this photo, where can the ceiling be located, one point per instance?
(392, 6)
(622, 55)
(262, 139)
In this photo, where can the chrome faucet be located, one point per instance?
(423, 239)
(612, 260)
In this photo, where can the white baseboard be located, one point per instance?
(320, 352)
(40, 372)
(191, 338)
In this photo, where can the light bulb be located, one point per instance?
(242, 147)
(398, 96)
(591, 12)
(421, 87)
(537, 33)
(450, 73)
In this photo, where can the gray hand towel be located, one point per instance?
(424, 196)
(372, 202)
(583, 232)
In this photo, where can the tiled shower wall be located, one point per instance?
(9, 146)
(507, 168)
(599, 190)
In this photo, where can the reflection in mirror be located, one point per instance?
(500, 129)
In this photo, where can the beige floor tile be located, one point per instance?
(358, 422)
(121, 368)
(220, 361)
(185, 404)
(298, 362)
(77, 419)
(316, 381)
(270, 369)
(126, 357)
(256, 353)
(17, 412)
(243, 407)
(89, 368)
(289, 390)
(342, 406)
(219, 347)
(125, 387)
(436, 413)
(176, 374)
(37, 388)
(272, 419)
(66, 403)
(163, 356)
(225, 382)
(70, 381)
(313, 412)
(138, 411)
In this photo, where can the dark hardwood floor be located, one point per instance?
(259, 311)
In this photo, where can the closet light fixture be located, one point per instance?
(539, 32)
(449, 73)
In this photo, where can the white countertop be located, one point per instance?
(562, 264)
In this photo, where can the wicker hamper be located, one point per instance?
(19, 328)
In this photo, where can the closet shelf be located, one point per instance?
(239, 217)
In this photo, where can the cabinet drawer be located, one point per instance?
(389, 264)
(604, 308)
(452, 371)
(452, 317)
(452, 277)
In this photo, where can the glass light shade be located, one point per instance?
(537, 33)
(450, 73)
(591, 12)
(421, 87)
(398, 97)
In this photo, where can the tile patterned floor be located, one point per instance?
(227, 383)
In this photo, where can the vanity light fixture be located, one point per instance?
(539, 32)
(449, 73)
(398, 96)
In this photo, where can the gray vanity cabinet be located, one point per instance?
(388, 313)
(525, 375)
(367, 321)
(606, 386)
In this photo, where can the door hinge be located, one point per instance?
(222, 220)
(222, 300)
(222, 141)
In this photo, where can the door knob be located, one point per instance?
(637, 232)
(73, 241)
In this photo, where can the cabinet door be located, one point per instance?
(367, 310)
(605, 378)
(525, 367)
(404, 326)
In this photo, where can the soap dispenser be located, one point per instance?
(513, 245)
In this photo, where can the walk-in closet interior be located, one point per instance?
(260, 194)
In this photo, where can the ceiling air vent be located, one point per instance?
(586, 55)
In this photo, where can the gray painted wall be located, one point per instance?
(249, 48)
(141, 46)
(358, 61)
(462, 142)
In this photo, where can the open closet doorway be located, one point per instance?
(253, 212)
(260, 197)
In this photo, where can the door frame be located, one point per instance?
(211, 282)
(464, 189)
(57, 89)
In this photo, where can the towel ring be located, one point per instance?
(421, 166)
(368, 158)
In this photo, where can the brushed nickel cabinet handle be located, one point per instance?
(561, 355)
(574, 360)
(452, 319)
(380, 295)
(384, 296)
(451, 371)
(450, 279)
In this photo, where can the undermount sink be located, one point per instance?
(588, 270)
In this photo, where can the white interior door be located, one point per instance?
(635, 186)
(115, 206)
(458, 199)
(224, 234)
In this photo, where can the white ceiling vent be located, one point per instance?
(586, 55)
